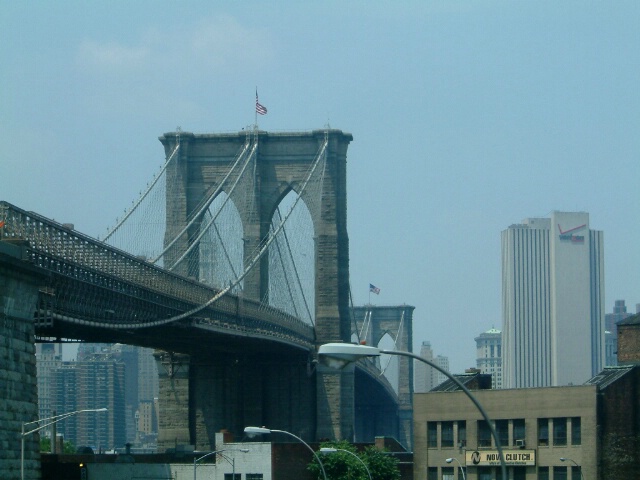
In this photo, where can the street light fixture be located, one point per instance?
(564, 459)
(54, 419)
(219, 452)
(338, 355)
(333, 450)
(449, 460)
(252, 431)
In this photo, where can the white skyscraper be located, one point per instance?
(552, 296)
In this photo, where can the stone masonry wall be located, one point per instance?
(18, 383)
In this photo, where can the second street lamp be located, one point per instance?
(258, 430)
(564, 459)
(449, 460)
(333, 450)
(338, 355)
(219, 452)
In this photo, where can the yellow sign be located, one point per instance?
(481, 458)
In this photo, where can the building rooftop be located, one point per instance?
(632, 320)
(473, 381)
(609, 375)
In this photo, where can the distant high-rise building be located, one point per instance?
(553, 294)
(489, 355)
(101, 384)
(65, 382)
(611, 327)
(92, 384)
(48, 360)
(147, 375)
(427, 377)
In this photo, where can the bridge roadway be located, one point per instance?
(98, 293)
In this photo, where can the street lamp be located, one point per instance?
(219, 452)
(449, 460)
(338, 355)
(333, 450)
(564, 459)
(54, 419)
(251, 431)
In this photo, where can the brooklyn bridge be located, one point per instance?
(234, 266)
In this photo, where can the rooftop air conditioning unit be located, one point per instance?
(520, 443)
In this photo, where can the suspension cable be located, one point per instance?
(143, 196)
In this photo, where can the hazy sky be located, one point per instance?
(467, 117)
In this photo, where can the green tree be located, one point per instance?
(341, 465)
(45, 446)
(382, 463)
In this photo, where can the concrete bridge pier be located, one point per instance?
(19, 286)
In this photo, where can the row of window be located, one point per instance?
(238, 476)
(564, 431)
(519, 473)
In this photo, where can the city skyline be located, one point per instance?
(467, 117)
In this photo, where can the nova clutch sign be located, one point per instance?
(483, 458)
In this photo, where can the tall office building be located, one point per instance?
(48, 360)
(552, 300)
(427, 377)
(489, 355)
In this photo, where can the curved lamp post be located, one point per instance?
(564, 459)
(333, 450)
(251, 431)
(219, 452)
(449, 460)
(54, 419)
(338, 355)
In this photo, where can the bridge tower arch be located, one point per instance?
(373, 324)
(282, 164)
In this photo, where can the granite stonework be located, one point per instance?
(282, 164)
(19, 284)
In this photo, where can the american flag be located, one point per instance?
(374, 289)
(261, 109)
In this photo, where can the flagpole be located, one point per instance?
(255, 112)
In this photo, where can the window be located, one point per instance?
(502, 429)
(559, 473)
(447, 473)
(543, 432)
(231, 476)
(543, 473)
(484, 434)
(519, 432)
(519, 473)
(432, 434)
(446, 439)
(432, 473)
(254, 476)
(462, 434)
(560, 431)
(485, 473)
(576, 431)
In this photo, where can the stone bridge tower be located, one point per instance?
(377, 325)
(283, 161)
